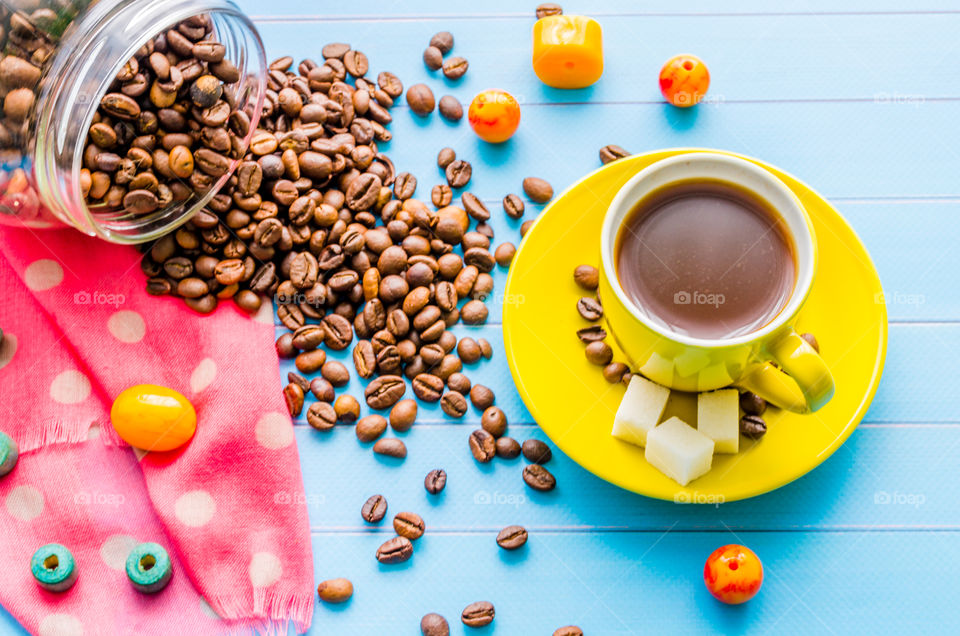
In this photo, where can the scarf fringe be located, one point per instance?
(273, 612)
(54, 432)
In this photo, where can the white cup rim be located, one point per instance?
(722, 167)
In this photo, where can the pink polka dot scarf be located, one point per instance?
(229, 507)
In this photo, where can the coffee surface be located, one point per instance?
(706, 259)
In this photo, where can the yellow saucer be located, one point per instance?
(575, 406)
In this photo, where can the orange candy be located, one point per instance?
(684, 80)
(567, 51)
(733, 574)
(494, 115)
(153, 418)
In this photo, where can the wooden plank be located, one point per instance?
(864, 57)
(883, 477)
(646, 583)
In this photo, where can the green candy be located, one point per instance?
(53, 568)
(149, 568)
(9, 454)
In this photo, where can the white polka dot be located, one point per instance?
(60, 625)
(127, 326)
(24, 503)
(195, 508)
(265, 569)
(274, 431)
(203, 375)
(116, 549)
(206, 608)
(265, 313)
(43, 274)
(70, 387)
(7, 348)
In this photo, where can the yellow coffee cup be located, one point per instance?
(773, 360)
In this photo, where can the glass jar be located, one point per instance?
(58, 58)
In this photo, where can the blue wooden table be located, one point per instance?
(860, 100)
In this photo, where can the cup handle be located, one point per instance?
(803, 383)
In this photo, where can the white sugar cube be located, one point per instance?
(678, 451)
(718, 417)
(640, 410)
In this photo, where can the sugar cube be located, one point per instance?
(640, 410)
(718, 417)
(678, 451)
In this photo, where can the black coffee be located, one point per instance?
(706, 258)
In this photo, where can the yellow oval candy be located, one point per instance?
(153, 418)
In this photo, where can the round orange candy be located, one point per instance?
(494, 115)
(684, 80)
(733, 574)
(153, 418)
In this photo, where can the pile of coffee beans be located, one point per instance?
(440, 44)
(167, 129)
(27, 43)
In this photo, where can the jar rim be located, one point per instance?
(69, 105)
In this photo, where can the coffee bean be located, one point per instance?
(478, 614)
(753, 426)
(435, 481)
(445, 157)
(536, 451)
(453, 404)
(364, 359)
(752, 404)
(140, 202)
(481, 397)
(486, 350)
(811, 340)
(374, 509)
(371, 427)
(450, 108)
(433, 58)
(311, 361)
(599, 353)
(428, 387)
(284, 346)
(420, 99)
(442, 41)
(512, 537)
(537, 189)
(548, 9)
(120, 106)
(338, 332)
(391, 447)
(455, 68)
(308, 337)
(403, 415)
(569, 630)
(385, 391)
(322, 416)
(513, 206)
(474, 207)
(504, 254)
(390, 84)
(335, 50)
(396, 550)
(482, 445)
(322, 389)
(474, 313)
(458, 173)
(468, 350)
(611, 153)
(441, 195)
(293, 395)
(525, 227)
(335, 590)
(593, 333)
(587, 277)
(614, 372)
(363, 192)
(347, 408)
(408, 525)
(459, 382)
(590, 309)
(494, 421)
(539, 478)
(434, 625)
(508, 448)
(356, 63)
(335, 373)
